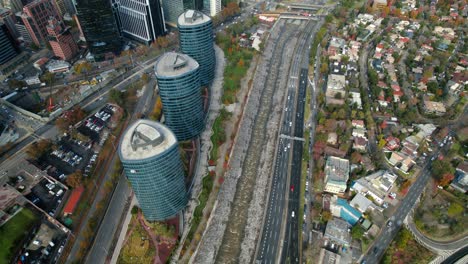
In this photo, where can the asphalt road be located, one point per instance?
(456, 256)
(50, 131)
(115, 210)
(387, 232)
(285, 191)
(271, 233)
(291, 247)
(291, 243)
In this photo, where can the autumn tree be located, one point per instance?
(327, 216)
(62, 124)
(446, 179)
(83, 67)
(157, 109)
(75, 179)
(355, 157)
(39, 148)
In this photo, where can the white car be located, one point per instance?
(292, 214)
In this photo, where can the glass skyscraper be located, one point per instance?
(150, 156)
(173, 8)
(179, 88)
(141, 20)
(99, 27)
(8, 48)
(196, 40)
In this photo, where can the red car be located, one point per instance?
(292, 188)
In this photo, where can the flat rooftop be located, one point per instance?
(172, 64)
(192, 18)
(144, 139)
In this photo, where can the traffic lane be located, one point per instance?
(276, 204)
(103, 241)
(401, 212)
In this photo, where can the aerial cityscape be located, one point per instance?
(234, 131)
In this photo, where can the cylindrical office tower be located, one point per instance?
(151, 160)
(196, 40)
(179, 88)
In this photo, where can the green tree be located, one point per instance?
(357, 232)
(441, 167)
(116, 96)
(455, 209)
(48, 78)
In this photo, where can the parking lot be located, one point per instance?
(95, 124)
(47, 196)
(45, 246)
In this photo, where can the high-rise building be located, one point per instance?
(35, 16)
(150, 156)
(141, 20)
(8, 48)
(61, 40)
(21, 28)
(196, 40)
(8, 18)
(179, 88)
(61, 8)
(212, 7)
(99, 27)
(13, 5)
(173, 9)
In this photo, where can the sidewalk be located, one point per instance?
(123, 232)
(205, 147)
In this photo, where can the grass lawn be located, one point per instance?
(14, 231)
(138, 248)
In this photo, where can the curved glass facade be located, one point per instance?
(196, 40)
(158, 182)
(181, 99)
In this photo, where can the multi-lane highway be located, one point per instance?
(285, 190)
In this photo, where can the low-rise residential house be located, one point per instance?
(361, 203)
(367, 163)
(336, 175)
(359, 132)
(376, 185)
(357, 123)
(422, 87)
(360, 144)
(356, 99)
(332, 138)
(393, 143)
(341, 208)
(336, 89)
(447, 33)
(328, 257)
(460, 183)
(401, 161)
(454, 88)
(338, 232)
(436, 108)
(331, 151)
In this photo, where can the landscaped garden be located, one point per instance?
(13, 232)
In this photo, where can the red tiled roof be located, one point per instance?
(73, 200)
(404, 39)
(396, 87)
